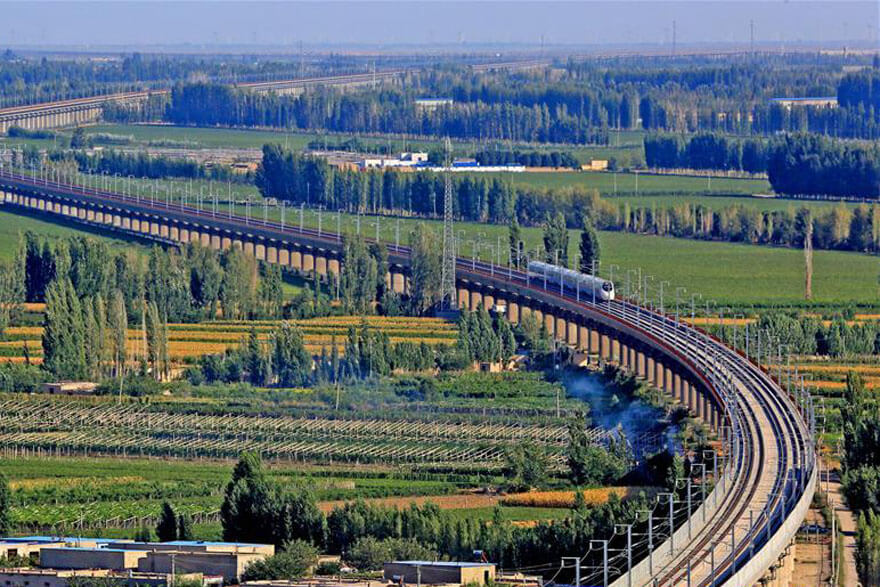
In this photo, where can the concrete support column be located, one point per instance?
(249, 247)
(334, 267)
(226, 243)
(623, 359)
(308, 262)
(604, 347)
(595, 337)
(463, 297)
(651, 370)
(488, 301)
(296, 260)
(550, 324)
(561, 329)
(513, 312)
(679, 389)
(640, 365)
(216, 242)
(668, 385)
(260, 251)
(321, 265)
(615, 351)
(175, 233)
(165, 232)
(397, 283)
(583, 338)
(476, 300)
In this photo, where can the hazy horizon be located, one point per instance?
(459, 25)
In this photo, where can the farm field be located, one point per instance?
(648, 184)
(434, 420)
(219, 138)
(187, 342)
(115, 496)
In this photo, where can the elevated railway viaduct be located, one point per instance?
(88, 110)
(741, 534)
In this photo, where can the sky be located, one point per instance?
(391, 24)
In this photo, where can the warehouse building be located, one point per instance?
(439, 572)
(84, 557)
(228, 565)
(194, 546)
(64, 578)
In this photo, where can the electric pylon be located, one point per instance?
(447, 267)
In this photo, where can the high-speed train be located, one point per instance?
(573, 280)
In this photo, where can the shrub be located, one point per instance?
(294, 562)
(368, 553)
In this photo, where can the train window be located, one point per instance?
(607, 286)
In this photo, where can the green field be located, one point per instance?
(648, 184)
(12, 225)
(729, 273)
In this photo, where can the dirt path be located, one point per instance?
(846, 525)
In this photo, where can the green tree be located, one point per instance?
(11, 295)
(516, 245)
(157, 341)
(588, 248)
(868, 549)
(238, 290)
(369, 553)
(556, 239)
(185, 528)
(294, 562)
(117, 323)
(63, 331)
(5, 513)
(290, 359)
(525, 466)
(425, 269)
(591, 464)
(167, 529)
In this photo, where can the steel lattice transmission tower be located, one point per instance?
(447, 267)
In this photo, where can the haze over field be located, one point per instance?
(200, 25)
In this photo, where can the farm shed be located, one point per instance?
(430, 572)
(115, 559)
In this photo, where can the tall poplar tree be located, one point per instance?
(63, 332)
(588, 248)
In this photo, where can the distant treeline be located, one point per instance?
(392, 110)
(812, 164)
(528, 158)
(301, 179)
(144, 165)
(578, 103)
(796, 164)
(706, 151)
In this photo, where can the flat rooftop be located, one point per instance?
(442, 564)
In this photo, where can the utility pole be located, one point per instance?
(673, 38)
(447, 267)
(752, 37)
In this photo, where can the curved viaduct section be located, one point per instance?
(742, 533)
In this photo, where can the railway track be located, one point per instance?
(771, 465)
